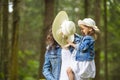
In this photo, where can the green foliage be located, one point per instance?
(28, 78)
(72, 7)
(113, 39)
(29, 44)
(28, 65)
(1, 75)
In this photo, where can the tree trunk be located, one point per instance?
(1, 59)
(105, 40)
(86, 6)
(98, 49)
(49, 12)
(5, 49)
(15, 35)
(0, 22)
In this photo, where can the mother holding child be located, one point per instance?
(77, 51)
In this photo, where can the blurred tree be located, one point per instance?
(1, 60)
(86, 6)
(105, 40)
(0, 21)
(5, 49)
(97, 11)
(113, 8)
(15, 34)
(48, 19)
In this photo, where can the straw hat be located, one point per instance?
(63, 30)
(89, 22)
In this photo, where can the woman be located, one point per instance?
(52, 64)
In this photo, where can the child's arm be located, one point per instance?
(70, 44)
(87, 42)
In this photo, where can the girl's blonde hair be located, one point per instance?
(93, 33)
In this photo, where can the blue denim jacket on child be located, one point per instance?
(85, 49)
(52, 64)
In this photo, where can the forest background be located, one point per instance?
(23, 28)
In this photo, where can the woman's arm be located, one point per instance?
(47, 68)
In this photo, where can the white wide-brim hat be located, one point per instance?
(62, 28)
(89, 22)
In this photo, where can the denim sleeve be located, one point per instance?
(47, 68)
(85, 44)
(77, 38)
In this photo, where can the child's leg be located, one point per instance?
(70, 74)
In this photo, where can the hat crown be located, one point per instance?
(68, 28)
(89, 22)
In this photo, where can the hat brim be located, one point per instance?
(81, 22)
(56, 26)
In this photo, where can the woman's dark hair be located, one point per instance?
(50, 38)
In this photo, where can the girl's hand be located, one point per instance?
(71, 44)
(67, 45)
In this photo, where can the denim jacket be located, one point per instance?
(52, 64)
(85, 49)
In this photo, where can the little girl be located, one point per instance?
(85, 54)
